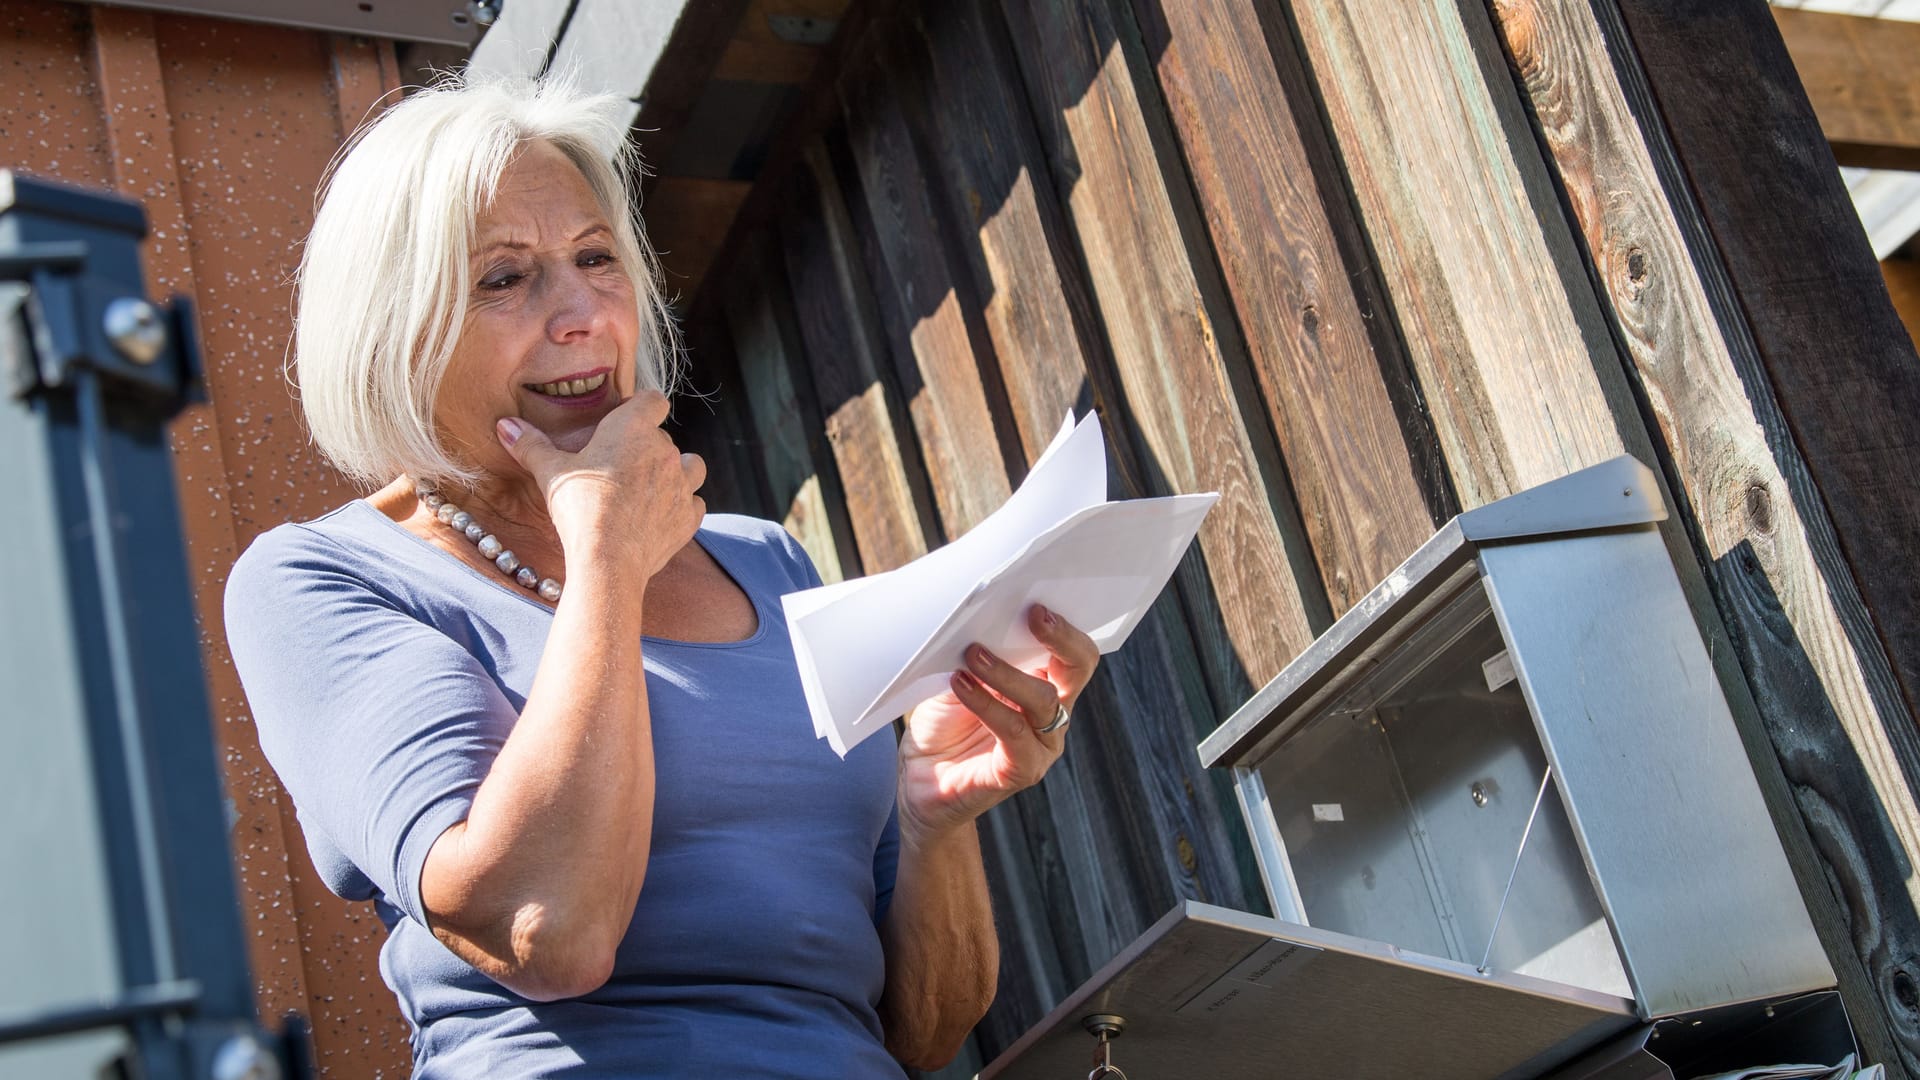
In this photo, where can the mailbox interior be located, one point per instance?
(1401, 801)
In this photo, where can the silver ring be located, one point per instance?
(1061, 717)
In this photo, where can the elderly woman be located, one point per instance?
(541, 708)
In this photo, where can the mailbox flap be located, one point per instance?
(1208, 991)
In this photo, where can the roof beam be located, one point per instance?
(1862, 78)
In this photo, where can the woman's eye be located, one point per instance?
(501, 281)
(597, 258)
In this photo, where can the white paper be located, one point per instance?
(872, 648)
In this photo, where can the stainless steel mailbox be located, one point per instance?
(1508, 829)
(1532, 671)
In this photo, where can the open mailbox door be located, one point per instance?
(1504, 819)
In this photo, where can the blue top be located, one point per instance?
(384, 676)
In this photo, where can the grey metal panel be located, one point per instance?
(1424, 581)
(1651, 771)
(54, 885)
(1613, 493)
(1225, 995)
(448, 22)
(1269, 850)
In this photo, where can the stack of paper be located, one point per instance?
(872, 648)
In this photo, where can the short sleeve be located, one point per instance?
(380, 727)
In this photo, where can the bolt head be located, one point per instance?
(135, 328)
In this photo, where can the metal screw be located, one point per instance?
(1479, 794)
(134, 328)
(485, 12)
(243, 1058)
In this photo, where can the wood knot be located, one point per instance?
(1759, 507)
(1310, 319)
(1905, 991)
(1637, 268)
(1188, 858)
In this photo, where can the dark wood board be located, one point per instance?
(796, 457)
(880, 472)
(925, 302)
(1357, 489)
(1839, 362)
(1165, 338)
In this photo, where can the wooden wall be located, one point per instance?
(1355, 266)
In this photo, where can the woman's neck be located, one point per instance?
(513, 511)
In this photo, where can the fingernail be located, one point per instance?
(980, 658)
(509, 430)
(1046, 616)
(962, 682)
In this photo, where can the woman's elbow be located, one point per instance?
(541, 952)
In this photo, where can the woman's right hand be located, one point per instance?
(628, 494)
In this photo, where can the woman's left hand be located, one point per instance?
(973, 746)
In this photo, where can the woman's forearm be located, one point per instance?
(537, 886)
(943, 957)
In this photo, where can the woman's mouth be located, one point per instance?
(579, 391)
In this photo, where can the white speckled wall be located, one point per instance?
(223, 130)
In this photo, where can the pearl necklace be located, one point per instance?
(490, 546)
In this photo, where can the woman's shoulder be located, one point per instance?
(333, 540)
(766, 542)
(342, 549)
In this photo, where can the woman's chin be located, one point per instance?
(574, 438)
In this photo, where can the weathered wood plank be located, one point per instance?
(886, 491)
(792, 438)
(1862, 76)
(1841, 365)
(1164, 337)
(1772, 563)
(1045, 337)
(1355, 483)
(957, 405)
(1127, 822)
(1455, 219)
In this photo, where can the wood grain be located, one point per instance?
(792, 440)
(880, 472)
(1780, 587)
(1356, 486)
(1138, 823)
(1841, 366)
(1862, 76)
(1481, 287)
(1165, 341)
(926, 304)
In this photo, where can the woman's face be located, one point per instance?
(551, 322)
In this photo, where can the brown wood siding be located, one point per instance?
(1318, 256)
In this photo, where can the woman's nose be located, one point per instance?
(576, 309)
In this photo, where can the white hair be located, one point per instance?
(383, 281)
